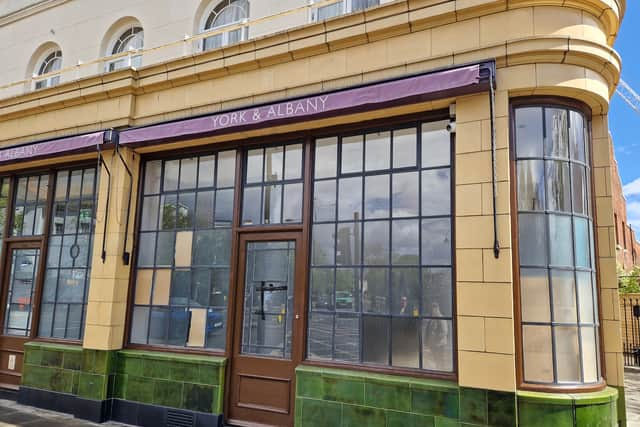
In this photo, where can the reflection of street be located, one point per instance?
(346, 339)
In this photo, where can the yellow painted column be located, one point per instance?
(484, 284)
(108, 289)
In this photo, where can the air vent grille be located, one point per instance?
(179, 419)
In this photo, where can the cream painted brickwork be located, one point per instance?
(540, 46)
(108, 289)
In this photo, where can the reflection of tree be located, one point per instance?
(180, 213)
(18, 220)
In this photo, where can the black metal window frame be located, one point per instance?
(23, 204)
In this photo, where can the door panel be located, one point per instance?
(268, 330)
(19, 288)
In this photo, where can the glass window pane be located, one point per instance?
(561, 250)
(436, 293)
(558, 189)
(323, 244)
(556, 141)
(140, 325)
(534, 295)
(206, 171)
(166, 248)
(538, 356)
(404, 147)
(150, 208)
(168, 207)
(273, 164)
(376, 243)
(46, 320)
(350, 199)
(585, 296)
(272, 204)
(88, 181)
(529, 132)
(320, 339)
(293, 162)
(322, 280)
(21, 190)
(532, 232)
(405, 342)
(589, 354)
(326, 158)
(212, 247)
(436, 241)
(579, 190)
(32, 186)
(564, 296)
(377, 151)
(531, 189)
(405, 194)
(352, 155)
(254, 165)
(324, 201)
(582, 245)
(188, 173)
(437, 345)
(224, 208)
(405, 291)
(376, 196)
(171, 169)
(186, 210)
(577, 134)
(405, 242)
(436, 144)
(348, 290)
(153, 172)
(251, 206)
(375, 290)
(158, 326)
(146, 249)
(567, 353)
(226, 169)
(292, 209)
(347, 338)
(375, 339)
(204, 210)
(348, 245)
(436, 192)
(62, 179)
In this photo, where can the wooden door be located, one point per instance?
(19, 307)
(268, 330)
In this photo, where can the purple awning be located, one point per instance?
(51, 147)
(421, 88)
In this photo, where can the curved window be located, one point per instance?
(50, 64)
(381, 258)
(226, 13)
(131, 40)
(556, 247)
(341, 8)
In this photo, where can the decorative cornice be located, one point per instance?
(30, 10)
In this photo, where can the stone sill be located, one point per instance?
(174, 357)
(607, 395)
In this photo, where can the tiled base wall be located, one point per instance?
(347, 398)
(192, 383)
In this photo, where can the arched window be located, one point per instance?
(131, 40)
(51, 62)
(341, 8)
(226, 13)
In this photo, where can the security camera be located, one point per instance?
(451, 127)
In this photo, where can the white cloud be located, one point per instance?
(632, 188)
(633, 215)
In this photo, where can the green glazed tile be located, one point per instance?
(544, 415)
(52, 358)
(319, 413)
(594, 415)
(406, 419)
(297, 418)
(445, 422)
(309, 386)
(168, 393)
(621, 406)
(358, 416)
(75, 382)
(198, 397)
(103, 360)
(153, 368)
(37, 377)
(209, 374)
(120, 386)
(61, 380)
(129, 365)
(343, 390)
(88, 360)
(473, 405)
(430, 402)
(388, 396)
(72, 360)
(501, 408)
(92, 386)
(139, 389)
(32, 356)
(185, 372)
(596, 397)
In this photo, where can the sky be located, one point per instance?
(624, 123)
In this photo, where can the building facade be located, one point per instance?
(311, 213)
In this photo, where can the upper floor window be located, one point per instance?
(51, 63)
(224, 14)
(340, 8)
(558, 293)
(130, 40)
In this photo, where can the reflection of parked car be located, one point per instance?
(344, 299)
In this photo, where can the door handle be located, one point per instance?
(297, 316)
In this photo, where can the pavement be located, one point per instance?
(13, 414)
(632, 395)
